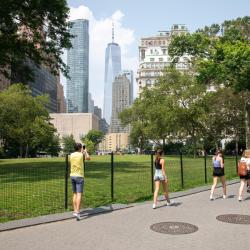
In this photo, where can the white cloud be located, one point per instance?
(100, 33)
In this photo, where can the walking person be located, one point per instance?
(244, 178)
(160, 177)
(77, 176)
(218, 172)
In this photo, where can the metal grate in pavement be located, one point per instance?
(174, 228)
(234, 218)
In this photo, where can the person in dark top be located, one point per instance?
(160, 177)
(218, 172)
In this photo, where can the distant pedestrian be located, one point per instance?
(77, 176)
(160, 177)
(218, 172)
(244, 178)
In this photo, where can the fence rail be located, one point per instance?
(32, 187)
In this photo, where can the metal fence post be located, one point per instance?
(236, 162)
(152, 172)
(112, 176)
(182, 180)
(66, 181)
(205, 164)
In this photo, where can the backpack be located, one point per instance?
(242, 168)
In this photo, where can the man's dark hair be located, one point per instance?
(78, 146)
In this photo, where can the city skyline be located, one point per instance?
(130, 28)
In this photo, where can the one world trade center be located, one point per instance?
(112, 69)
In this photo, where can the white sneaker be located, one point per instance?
(78, 216)
(224, 196)
(75, 214)
(170, 203)
(240, 198)
(211, 198)
(154, 206)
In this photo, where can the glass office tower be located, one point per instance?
(78, 62)
(112, 69)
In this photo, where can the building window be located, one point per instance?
(142, 54)
(152, 59)
(160, 59)
(148, 82)
(164, 51)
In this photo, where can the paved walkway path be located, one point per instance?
(130, 228)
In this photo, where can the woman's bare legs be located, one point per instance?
(165, 189)
(157, 187)
(215, 180)
(242, 184)
(223, 181)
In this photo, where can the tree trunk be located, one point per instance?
(27, 151)
(194, 143)
(163, 145)
(236, 143)
(21, 151)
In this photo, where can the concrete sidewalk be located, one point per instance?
(130, 228)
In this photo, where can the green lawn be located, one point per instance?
(32, 187)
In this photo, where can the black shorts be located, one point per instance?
(218, 172)
(246, 177)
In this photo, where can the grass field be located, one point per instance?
(32, 187)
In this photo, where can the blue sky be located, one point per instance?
(136, 19)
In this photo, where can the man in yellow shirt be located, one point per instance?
(77, 176)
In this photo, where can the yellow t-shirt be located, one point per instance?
(76, 164)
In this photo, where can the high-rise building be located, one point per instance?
(90, 104)
(78, 62)
(43, 82)
(61, 101)
(153, 56)
(112, 69)
(98, 112)
(121, 99)
(130, 75)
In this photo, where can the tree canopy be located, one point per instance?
(220, 56)
(24, 121)
(35, 30)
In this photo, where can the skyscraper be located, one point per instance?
(130, 75)
(112, 69)
(78, 62)
(121, 100)
(43, 82)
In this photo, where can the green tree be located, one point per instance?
(168, 111)
(224, 116)
(95, 136)
(90, 146)
(220, 58)
(53, 148)
(135, 116)
(68, 142)
(37, 30)
(184, 102)
(24, 120)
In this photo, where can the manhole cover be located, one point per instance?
(174, 228)
(234, 218)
